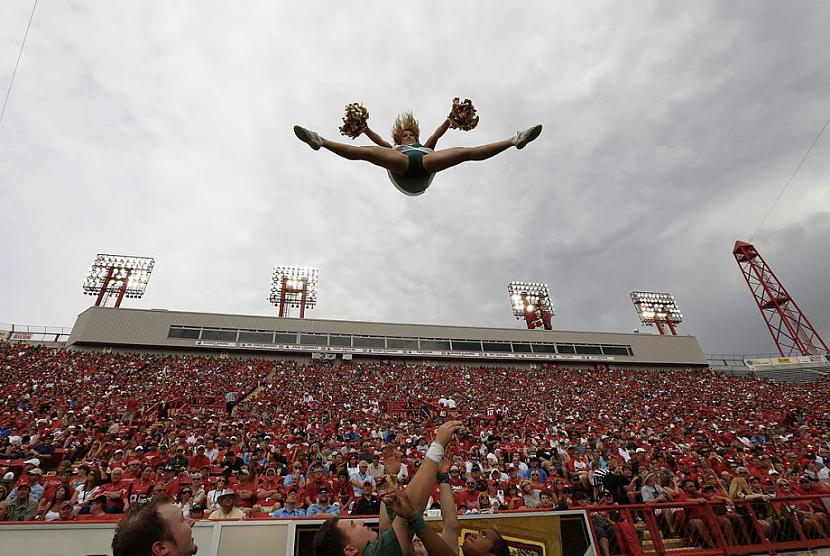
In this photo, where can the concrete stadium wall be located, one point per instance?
(284, 537)
(148, 329)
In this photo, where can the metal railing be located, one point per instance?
(36, 333)
(713, 527)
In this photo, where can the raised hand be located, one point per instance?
(400, 504)
(445, 433)
(391, 459)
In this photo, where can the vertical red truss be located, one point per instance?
(790, 329)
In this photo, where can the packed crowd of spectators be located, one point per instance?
(86, 435)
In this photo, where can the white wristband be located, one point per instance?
(435, 453)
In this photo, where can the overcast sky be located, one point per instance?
(164, 129)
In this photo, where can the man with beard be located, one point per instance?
(157, 528)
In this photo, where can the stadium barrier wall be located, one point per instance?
(533, 533)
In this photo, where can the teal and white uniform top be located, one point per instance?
(416, 180)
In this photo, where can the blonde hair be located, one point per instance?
(403, 122)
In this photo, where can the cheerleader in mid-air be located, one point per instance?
(410, 164)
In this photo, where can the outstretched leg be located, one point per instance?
(447, 158)
(384, 157)
(379, 156)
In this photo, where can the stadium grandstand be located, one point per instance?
(625, 443)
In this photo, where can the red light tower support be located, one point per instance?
(531, 301)
(790, 329)
(293, 286)
(117, 275)
(656, 308)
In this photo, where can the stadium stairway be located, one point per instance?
(671, 544)
(259, 388)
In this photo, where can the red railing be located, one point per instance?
(714, 527)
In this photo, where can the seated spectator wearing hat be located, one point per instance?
(246, 488)
(23, 507)
(30, 478)
(66, 512)
(291, 507)
(315, 482)
(117, 461)
(158, 527)
(269, 488)
(368, 503)
(227, 506)
(167, 482)
(534, 466)
(361, 477)
(179, 461)
(323, 506)
(212, 500)
(97, 509)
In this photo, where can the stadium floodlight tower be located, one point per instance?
(531, 301)
(293, 286)
(791, 331)
(117, 276)
(656, 309)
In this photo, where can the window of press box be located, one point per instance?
(615, 350)
(183, 333)
(285, 338)
(544, 348)
(497, 346)
(521, 348)
(256, 337)
(565, 348)
(341, 341)
(586, 349)
(358, 341)
(312, 340)
(401, 343)
(219, 335)
(438, 345)
(465, 345)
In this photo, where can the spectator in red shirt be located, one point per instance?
(117, 492)
(199, 460)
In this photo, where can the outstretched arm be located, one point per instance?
(442, 129)
(375, 138)
(449, 512)
(420, 488)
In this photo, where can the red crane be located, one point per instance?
(790, 329)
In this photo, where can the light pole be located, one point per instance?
(531, 301)
(657, 309)
(119, 276)
(293, 286)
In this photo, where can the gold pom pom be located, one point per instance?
(463, 115)
(354, 120)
